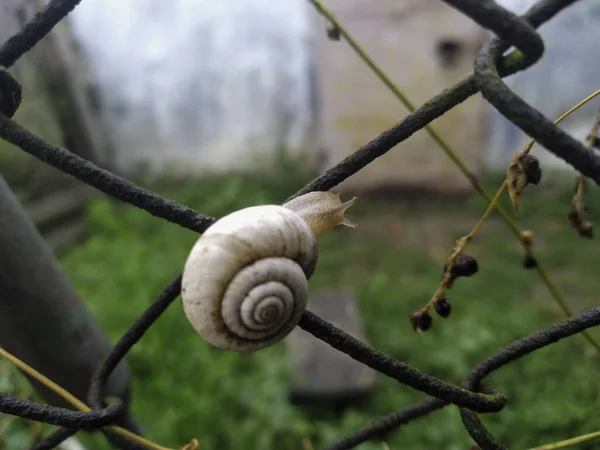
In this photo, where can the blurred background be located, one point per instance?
(223, 105)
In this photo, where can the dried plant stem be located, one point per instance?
(463, 168)
(569, 442)
(460, 245)
(193, 445)
(462, 242)
(74, 400)
(540, 269)
(578, 198)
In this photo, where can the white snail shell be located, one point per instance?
(245, 282)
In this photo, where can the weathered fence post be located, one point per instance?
(42, 320)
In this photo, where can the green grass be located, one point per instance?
(183, 388)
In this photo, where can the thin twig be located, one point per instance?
(568, 442)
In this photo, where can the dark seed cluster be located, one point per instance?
(531, 167)
(421, 320)
(443, 307)
(464, 266)
(333, 33)
(529, 261)
(579, 221)
(594, 140)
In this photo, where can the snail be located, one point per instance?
(245, 281)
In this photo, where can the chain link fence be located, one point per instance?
(472, 397)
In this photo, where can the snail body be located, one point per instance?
(245, 281)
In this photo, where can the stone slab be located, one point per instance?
(321, 372)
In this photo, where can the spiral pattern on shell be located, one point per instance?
(245, 282)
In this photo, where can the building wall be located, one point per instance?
(407, 39)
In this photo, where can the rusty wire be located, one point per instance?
(471, 397)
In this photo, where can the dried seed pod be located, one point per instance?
(333, 33)
(527, 237)
(586, 229)
(465, 266)
(517, 180)
(578, 218)
(531, 167)
(574, 217)
(523, 170)
(443, 307)
(594, 140)
(421, 320)
(529, 261)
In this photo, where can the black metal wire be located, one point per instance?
(55, 438)
(471, 397)
(102, 179)
(472, 381)
(10, 93)
(35, 30)
(9, 404)
(513, 352)
(389, 423)
(538, 14)
(398, 370)
(133, 335)
(488, 14)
